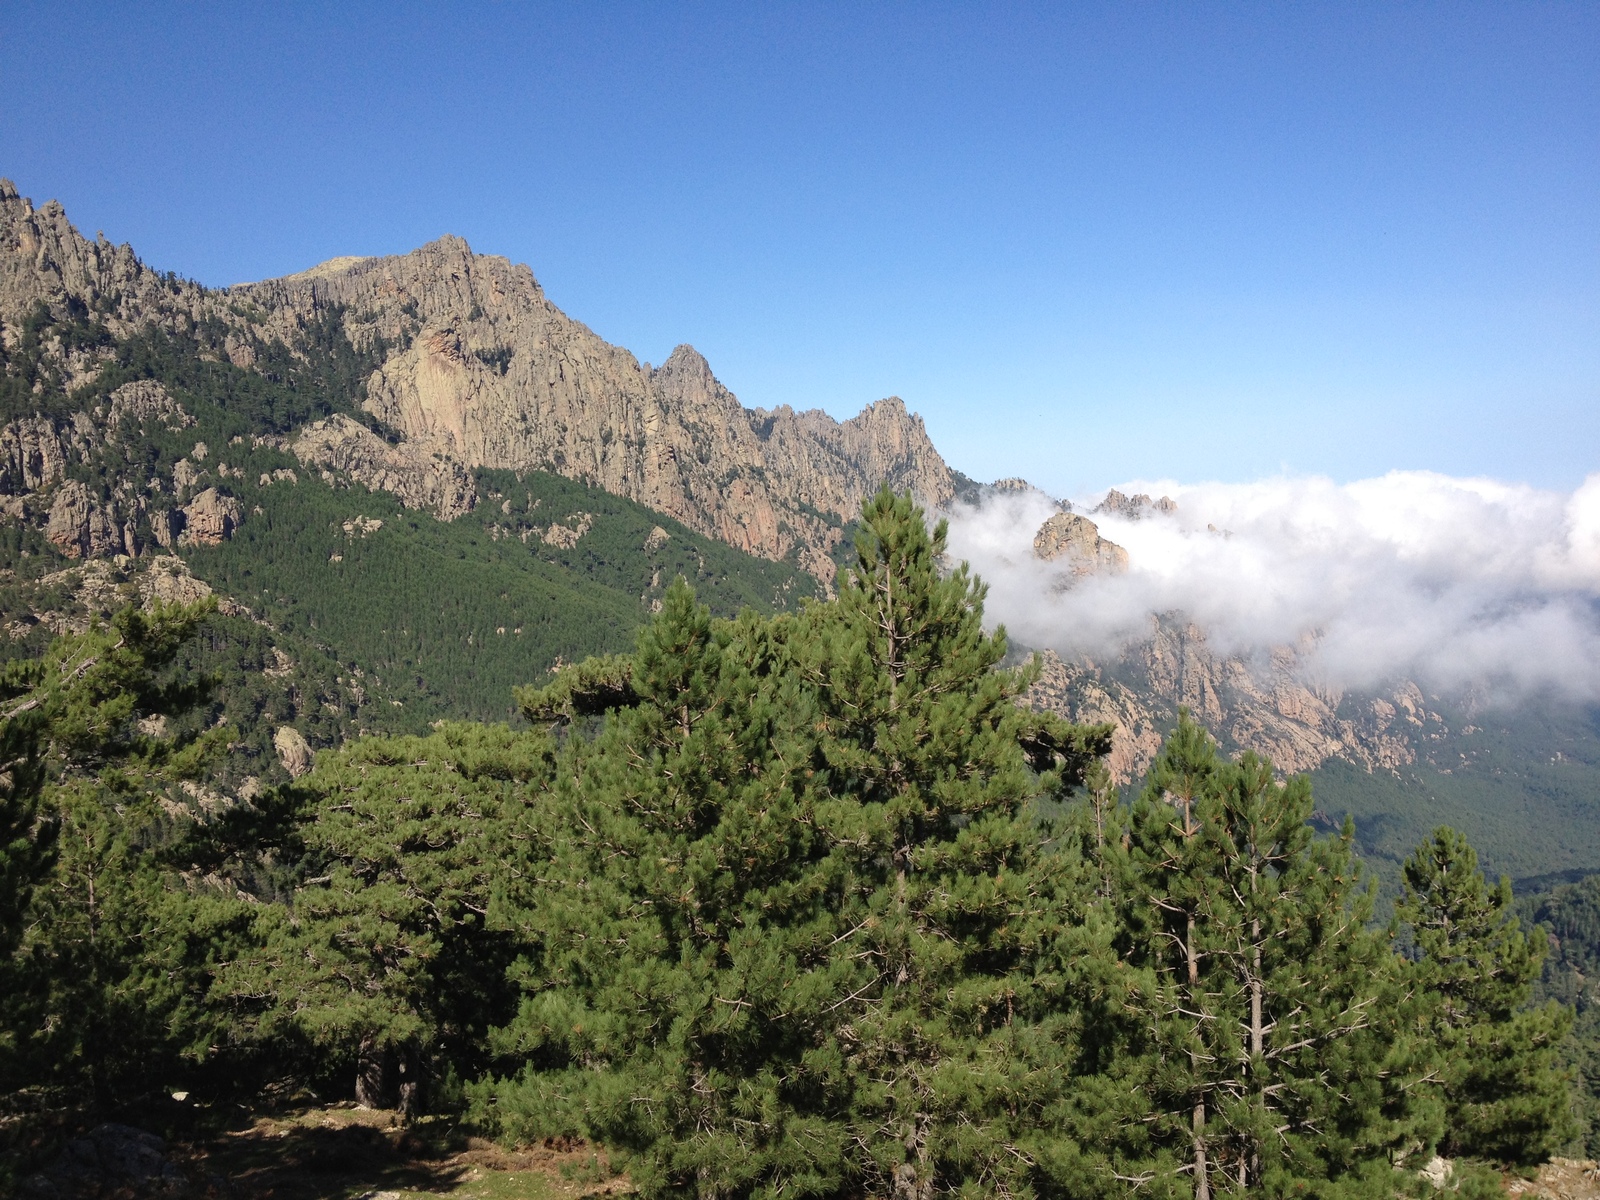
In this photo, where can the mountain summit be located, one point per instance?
(482, 368)
(476, 366)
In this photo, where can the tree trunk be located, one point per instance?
(1202, 1182)
(372, 1075)
(1252, 1150)
(410, 1063)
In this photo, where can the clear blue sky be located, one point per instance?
(1088, 242)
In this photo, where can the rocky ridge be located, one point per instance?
(486, 372)
(479, 369)
(1261, 704)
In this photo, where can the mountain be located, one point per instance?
(481, 368)
(414, 483)
(1523, 782)
(473, 364)
(159, 440)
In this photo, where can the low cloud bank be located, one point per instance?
(1452, 582)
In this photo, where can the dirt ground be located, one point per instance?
(1561, 1179)
(346, 1153)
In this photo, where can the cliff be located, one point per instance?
(1264, 704)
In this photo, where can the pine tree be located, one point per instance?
(801, 936)
(97, 966)
(956, 916)
(1275, 1059)
(383, 960)
(681, 902)
(1505, 1098)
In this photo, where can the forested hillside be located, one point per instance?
(795, 904)
(344, 611)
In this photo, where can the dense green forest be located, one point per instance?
(1522, 781)
(359, 615)
(780, 904)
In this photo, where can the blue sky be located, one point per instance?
(1088, 242)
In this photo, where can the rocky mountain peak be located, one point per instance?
(685, 361)
(1076, 540)
(482, 370)
(1135, 508)
(489, 373)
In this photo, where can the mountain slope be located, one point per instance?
(1522, 781)
(156, 443)
(464, 356)
(482, 368)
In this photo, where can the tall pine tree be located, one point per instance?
(794, 937)
(1505, 1098)
(1275, 1061)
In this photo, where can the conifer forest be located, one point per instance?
(788, 903)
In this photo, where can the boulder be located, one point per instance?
(294, 752)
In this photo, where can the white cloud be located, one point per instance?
(1452, 582)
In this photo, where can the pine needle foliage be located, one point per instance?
(797, 933)
(1268, 1005)
(1504, 1096)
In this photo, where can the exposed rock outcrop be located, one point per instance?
(417, 477)
(1135, 508)
(168, 581)
(1264, 705)
(109, 1160)
(294, 752)
(494, 375)
(80, 526)
(32, 455)
(487, 372)
(210, 519)
(1077, 542)
(44, 259)
(144, 401)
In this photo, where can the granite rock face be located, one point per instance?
(294, 752)
(145, 401)
(494, 375)
(1076, 542)
(485, 371)
(82, 527)
(44, 259)
(1266, 706)
(419, 478)
(210, 519)
(33, 455)
(1137, 507)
